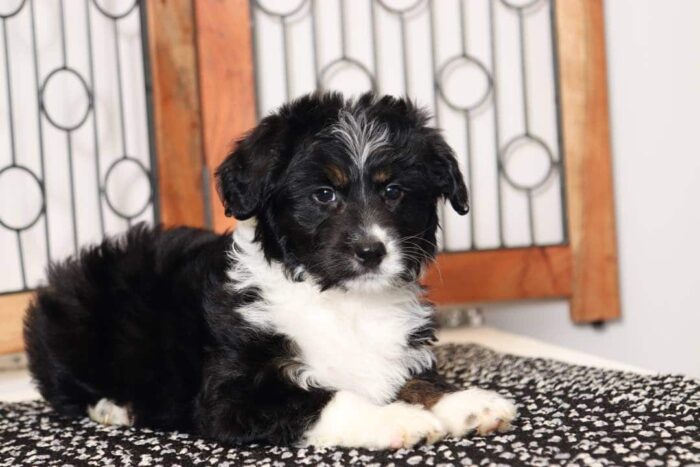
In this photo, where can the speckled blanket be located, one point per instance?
(569, 415)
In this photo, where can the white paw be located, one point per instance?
(402, 425)
(475, 409)
(107, 412)
(350, 421)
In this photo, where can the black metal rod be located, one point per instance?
(95, 136)
(404, 54)
(8, 87)
(62, 25)
(468, 129)
(463, 27)
(375, 44)
(496, 127)
(470, 175)
(155, 198)
(526, 114)
(314, 42)
(20, 252)
(287, 60)
(343, 32)
(120, 92)
(523, 72)
(531, 218)
(71, 186)
(69, 142)
(39, 126)
(436, 99)
(560, 140)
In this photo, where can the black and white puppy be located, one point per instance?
(305, 326)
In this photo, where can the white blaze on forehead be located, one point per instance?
(361, 136)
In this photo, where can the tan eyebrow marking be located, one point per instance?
(336, 175)
(382, 175)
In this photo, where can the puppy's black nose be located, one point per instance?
(370, 253)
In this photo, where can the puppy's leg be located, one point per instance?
(266, 405)
(460, 411)
(349, 420)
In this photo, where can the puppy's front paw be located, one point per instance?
(475, 409)
(403, 425)
(350, 421)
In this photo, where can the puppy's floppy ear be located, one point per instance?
(445, 173)
(244, 179)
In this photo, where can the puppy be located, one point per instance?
(307, 325)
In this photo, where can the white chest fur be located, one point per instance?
(353, 341)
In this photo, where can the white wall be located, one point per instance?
(654, 84)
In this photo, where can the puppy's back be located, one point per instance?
(124, 321)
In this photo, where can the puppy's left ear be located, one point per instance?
(244, 180)
(445, 173)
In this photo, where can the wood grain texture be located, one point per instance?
(12, 308)
(176, 111)
(227, 85)
(495, 275)
(588, 166)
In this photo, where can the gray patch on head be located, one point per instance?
(361, 136)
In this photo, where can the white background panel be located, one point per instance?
(113, 128)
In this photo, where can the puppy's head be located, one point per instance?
(345, 192)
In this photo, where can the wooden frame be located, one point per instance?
(585, 271)
(580, 28)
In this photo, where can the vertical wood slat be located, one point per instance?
(588, 166)
(227, 85)
(176, 111)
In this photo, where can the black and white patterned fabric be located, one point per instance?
(569, 415)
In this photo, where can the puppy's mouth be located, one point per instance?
(378, 275)
(369, 265)
(372, 281)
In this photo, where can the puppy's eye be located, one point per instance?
(393, 193)
(324, 195)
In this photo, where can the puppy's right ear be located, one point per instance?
(445, 172)
(244, 180)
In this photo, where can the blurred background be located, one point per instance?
(114, 112)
